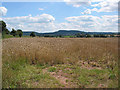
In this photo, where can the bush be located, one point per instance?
(88, 35)
(13, 32)
(19, 32)
(104, 36)
(32, 34)
(95, 35)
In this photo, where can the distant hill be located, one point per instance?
(66, 33)
(60, 32)
(27, 33)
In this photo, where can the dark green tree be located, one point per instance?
(7, 31)
(2, 25)
(60, 35)
(32, 34)
(88, 35)
(112, 35)
(19, 32)
(13, 32)
(96, 35)
(3, 28)
(78, 35)
(103, 36)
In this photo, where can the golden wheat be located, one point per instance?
(102, 51)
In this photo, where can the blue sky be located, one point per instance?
(52, 16)
(57, 9)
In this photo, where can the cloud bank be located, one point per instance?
(46, 23)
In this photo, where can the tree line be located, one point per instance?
(14, 32)
(81, 35)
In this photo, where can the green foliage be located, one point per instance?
(5, 36)
(91, 78)
(112, 35)
(95, 35)
(16, 33)
(6, 33)
(52, 69)
(60, 35)
(48, 36)
(13, 32)
(32, 34)
(88, 35)
(3, 27)
(80, 35)
(19, 32)
(102, 35)
(20, 74)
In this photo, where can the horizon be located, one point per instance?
(43, 17)
(70, 30)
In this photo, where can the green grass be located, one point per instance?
(7, 36)
(68, 36)
(52, 69)
(35, 78)
(90, 78)
(19, 74)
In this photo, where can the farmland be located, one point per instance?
(60, 62)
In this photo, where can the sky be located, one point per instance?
(83, 15)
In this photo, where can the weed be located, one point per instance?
(52, 69)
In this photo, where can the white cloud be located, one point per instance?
(78, 3)
(89, 11)
(45, 23)
(40, 9)
(94, 23)
(44, 18)
(3, 11)
(37, 23)
(96, 0)
(107, 5)
(104, 5)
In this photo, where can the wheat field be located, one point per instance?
(96, 52)
(62, 50)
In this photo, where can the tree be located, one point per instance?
(112, 35)
(96, 35)
(19, 32)
(103, 36)
(32, 34)
(7, 31)
(88, 35)
(3, 27)
(13, 32)
(78, 35)
(60, 35)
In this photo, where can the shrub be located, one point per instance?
(32, 34)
